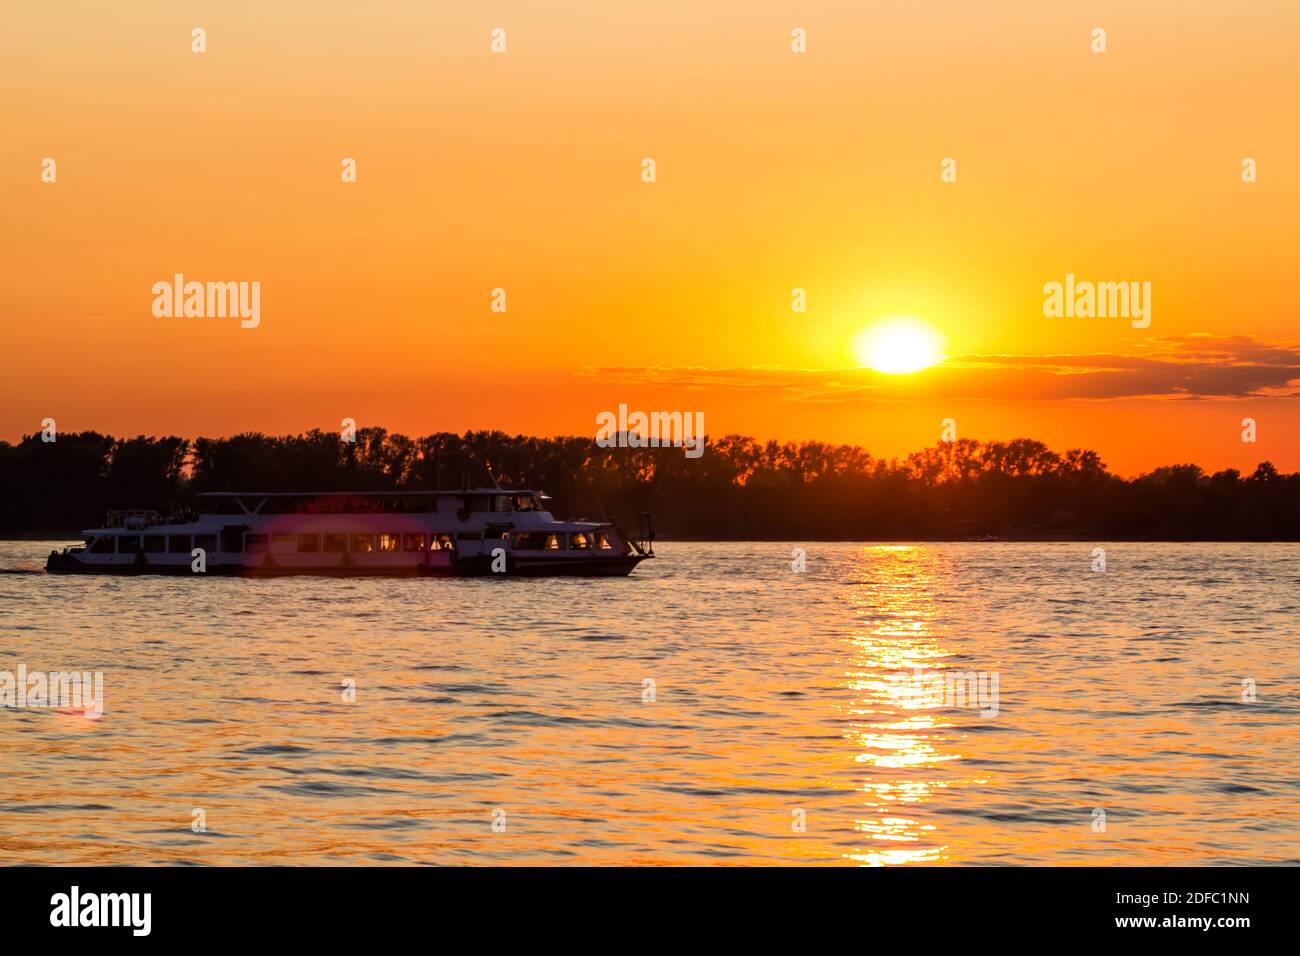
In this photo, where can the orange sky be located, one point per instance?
(775, 170)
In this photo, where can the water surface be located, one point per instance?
(776, 729)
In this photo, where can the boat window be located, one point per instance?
(207, 542)
(128, 544)
(441, 543)
(526, 503)
(308, 543)
(282, 539)
(580, 541)
(389, 542)
(602, 542)
(232, 541)
(255, 543)
(103, 545)
(469, 536)
(178, 543)
(478, 502)
(538, 541)
(352, 504)
(154, 543)
(414, 542)
(336, 542)
(501, 502)
(339, 505)
(410, 504)
(363, 543)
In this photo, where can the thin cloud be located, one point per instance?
(1174, 367)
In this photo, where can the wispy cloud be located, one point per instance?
(1176, 367)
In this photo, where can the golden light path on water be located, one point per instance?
(892, 731)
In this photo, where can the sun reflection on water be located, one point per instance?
(898, 740)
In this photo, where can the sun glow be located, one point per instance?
(898, 346)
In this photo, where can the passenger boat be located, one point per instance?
(483, 531)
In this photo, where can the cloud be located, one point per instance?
(1198, 366)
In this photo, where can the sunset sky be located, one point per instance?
(775, 170)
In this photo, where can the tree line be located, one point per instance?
(741, 488)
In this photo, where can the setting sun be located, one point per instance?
(898, 346)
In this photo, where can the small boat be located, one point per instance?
(479, 532)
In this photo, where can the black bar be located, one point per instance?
(940, 906)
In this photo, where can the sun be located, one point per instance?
(898, 346)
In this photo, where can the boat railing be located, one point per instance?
(136, 518)
(646, 544)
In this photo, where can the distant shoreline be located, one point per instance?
(741, 490)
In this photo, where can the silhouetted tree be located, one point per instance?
(740, 488)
